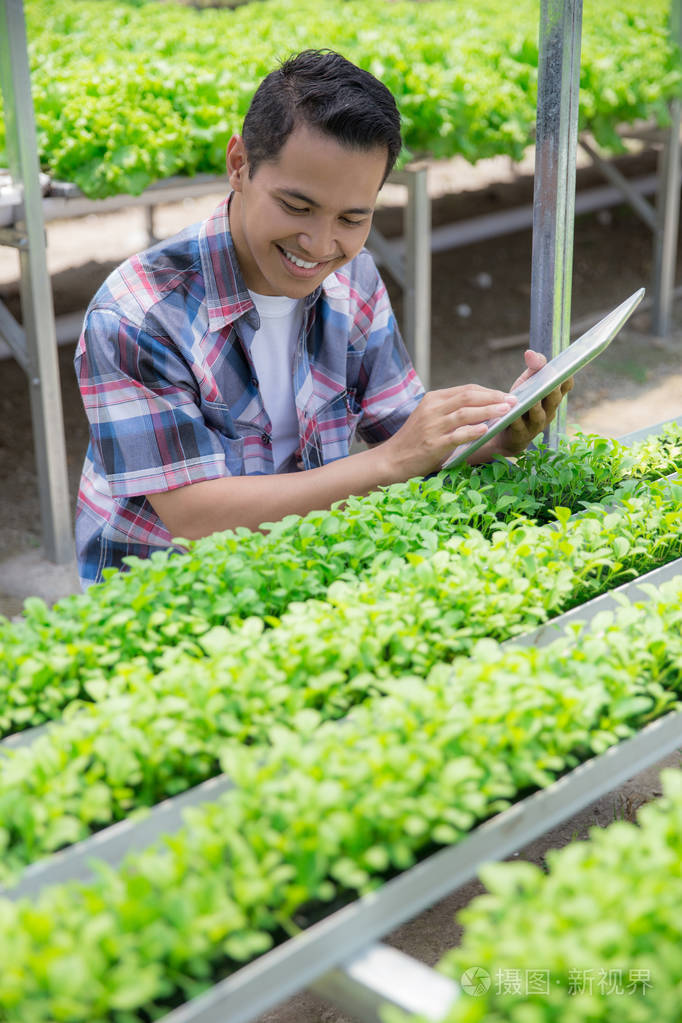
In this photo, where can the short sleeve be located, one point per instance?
(388, 386)
(147, 429)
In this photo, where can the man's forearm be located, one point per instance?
(441, 422)
(211, 506)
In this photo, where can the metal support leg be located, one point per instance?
(418, 272)
(150, 225)
(410, 266)
(554, 193)
(668, 206)
(38, 335)
(667, 222)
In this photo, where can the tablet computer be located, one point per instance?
(566, 364)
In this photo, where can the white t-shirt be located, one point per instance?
(272, 351)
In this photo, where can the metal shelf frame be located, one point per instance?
(554, 187)
(34, 345)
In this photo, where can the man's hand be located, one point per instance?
(522, 431)
(442, 421)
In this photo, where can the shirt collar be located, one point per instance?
(227, 297)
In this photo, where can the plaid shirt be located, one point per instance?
(171, 394)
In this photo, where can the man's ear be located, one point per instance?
(236, 162)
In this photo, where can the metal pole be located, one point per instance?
(36, 292)
(409, 262)
(554, 192)
(418, 272)
(668, 207)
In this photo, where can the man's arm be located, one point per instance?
(442, 420)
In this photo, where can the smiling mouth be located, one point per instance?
(302, 264)
(297, 261)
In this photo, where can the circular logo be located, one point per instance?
(475, 981)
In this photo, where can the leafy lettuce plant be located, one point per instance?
(126, 94)
(54, 655)
(602, 925)
(324, 814)
(153, 734)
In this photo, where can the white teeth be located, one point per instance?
(299, 262)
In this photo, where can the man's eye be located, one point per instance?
(293, 209)
(353, 223)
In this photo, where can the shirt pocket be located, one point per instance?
(225, 430)
(354, 412)
(337, 421)
(246, 445)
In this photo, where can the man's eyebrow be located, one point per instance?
(360, 211)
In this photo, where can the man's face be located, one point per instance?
(303, 215)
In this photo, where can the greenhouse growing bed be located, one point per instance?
(238, 694)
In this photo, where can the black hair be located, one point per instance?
(323, 90)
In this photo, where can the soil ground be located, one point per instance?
(479, 292)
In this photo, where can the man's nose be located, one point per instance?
(318, 240)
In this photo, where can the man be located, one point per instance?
(225, 371)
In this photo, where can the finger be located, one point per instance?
(520, 433)
(466, 434)
(521, 380)
(534, 360)
(535, 419)
(473, 414)
(552, 401)
(452, 398)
